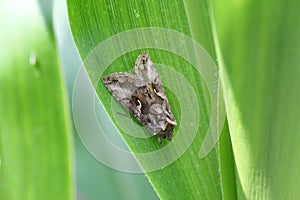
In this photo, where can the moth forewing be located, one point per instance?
(143, 95)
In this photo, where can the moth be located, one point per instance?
(143, 95)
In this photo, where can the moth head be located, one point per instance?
(168, 132)
(167, 136)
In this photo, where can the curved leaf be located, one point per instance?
(260, 45)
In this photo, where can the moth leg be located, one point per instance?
(159, 141)
(124, 115)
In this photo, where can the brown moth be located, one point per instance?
(143, 95)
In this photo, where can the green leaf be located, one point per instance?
(35, 134)
(260, 45)
(93, 22)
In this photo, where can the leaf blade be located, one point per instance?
(35, 133)
(258, 42)
(118, 17)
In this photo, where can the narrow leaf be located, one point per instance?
(35, 134)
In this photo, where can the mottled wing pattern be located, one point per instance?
(121, 85)
(145, 69)
(144, 96)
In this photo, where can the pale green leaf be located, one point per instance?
(35, 134)
(260, 45)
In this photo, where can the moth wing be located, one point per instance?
(145, 69)
(121, 85)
